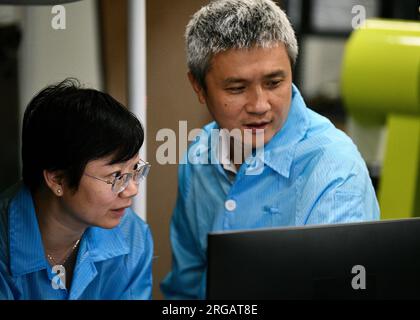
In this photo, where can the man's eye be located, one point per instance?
(235, 89)
(273, 83)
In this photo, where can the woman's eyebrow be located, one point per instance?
(113, 165)
(122, 164)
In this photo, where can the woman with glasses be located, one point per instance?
(67, 230)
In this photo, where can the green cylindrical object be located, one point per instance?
(381, 70)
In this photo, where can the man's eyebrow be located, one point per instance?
(233, 80)
(276, 74)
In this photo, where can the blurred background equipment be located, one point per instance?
(33, 55)
(381, 84)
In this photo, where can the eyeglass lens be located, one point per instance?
(122, 181)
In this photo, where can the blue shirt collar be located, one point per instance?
(280, 150)
(26, 248)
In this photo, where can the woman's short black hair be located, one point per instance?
(66, 126)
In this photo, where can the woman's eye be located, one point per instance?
(116, 174)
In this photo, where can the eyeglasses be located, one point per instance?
(120, 183)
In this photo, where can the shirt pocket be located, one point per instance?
(280, 214)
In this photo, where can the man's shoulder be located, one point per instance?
(324, 137)
(199, 149)
(204, 135)
(327, 148)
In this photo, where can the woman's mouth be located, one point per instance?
(119, 212)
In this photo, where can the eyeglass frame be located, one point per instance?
(130, 176)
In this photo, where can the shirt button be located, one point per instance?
(230, 205)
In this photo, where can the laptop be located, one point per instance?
(367, 260)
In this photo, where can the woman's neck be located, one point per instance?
(59, 230)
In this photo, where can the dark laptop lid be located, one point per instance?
(378, 259)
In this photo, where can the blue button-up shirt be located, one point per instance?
(111, 264)
(312, 173)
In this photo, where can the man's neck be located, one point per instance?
(245, 152)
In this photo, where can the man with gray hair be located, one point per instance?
(240, 56)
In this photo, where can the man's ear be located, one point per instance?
(197, 88)
(54, 181)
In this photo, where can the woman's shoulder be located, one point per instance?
(6, 198)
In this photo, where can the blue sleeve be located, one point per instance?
(347, 195)
(187, 276)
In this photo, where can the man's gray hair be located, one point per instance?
(227, 24)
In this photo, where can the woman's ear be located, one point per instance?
(197, 88)
(54, 181)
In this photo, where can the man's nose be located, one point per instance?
(258, 102)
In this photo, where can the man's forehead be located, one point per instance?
(236, 56)
(235, 70)
(280, 73)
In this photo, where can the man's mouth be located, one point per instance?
(257, 125)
